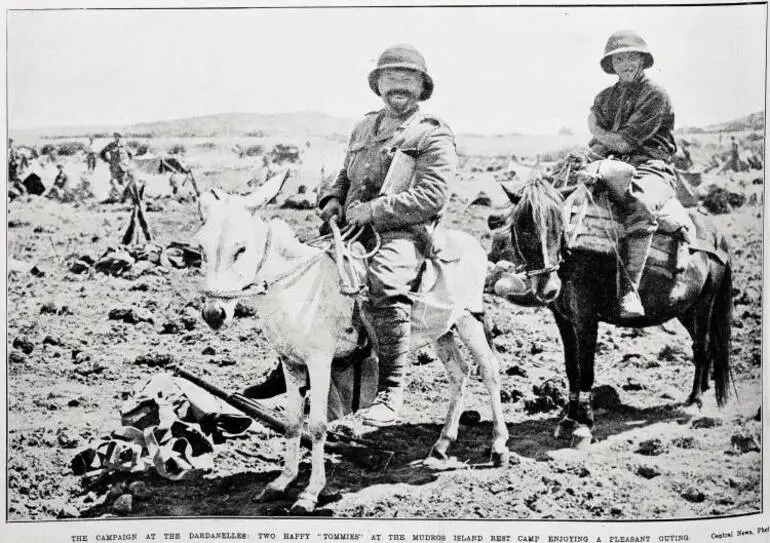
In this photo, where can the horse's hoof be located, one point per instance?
(581, 438)
(437, 455)
(268, 494)
(501, 459)
(691, 409)
(304, 505)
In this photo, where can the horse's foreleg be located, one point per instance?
(586, 333)
(471, 330)
(457, 372)
(296, 377)
(319, 369)
(569, 343)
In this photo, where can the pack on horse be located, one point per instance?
(309, 321)
(554, 244)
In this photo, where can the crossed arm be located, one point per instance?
(614, 141)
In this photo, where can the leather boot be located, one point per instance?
(273, 385)
(393, 327)
(629, 275)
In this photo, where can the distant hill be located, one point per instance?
(240, 124)
(754, 121)
(223, 124)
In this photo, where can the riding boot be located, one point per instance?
(629, 274)
(393, 327)
(273, 385)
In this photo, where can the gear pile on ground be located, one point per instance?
(169, 426)
(135, 260)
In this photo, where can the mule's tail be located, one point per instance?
(720, 332)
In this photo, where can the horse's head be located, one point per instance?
(537, 233)
(233, 242)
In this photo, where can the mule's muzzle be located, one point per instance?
(214, 315)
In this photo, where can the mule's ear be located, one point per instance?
(207, 200)
(264, 193)
(512, 192)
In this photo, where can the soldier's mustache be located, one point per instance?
(398, 92)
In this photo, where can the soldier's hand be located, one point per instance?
(359, 214)
(331, 208)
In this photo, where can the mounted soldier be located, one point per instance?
(404, 220)
(633, 121)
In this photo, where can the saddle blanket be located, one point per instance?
(593, 226)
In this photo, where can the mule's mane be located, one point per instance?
(540, 199)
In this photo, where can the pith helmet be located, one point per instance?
(625, 41)
(404, 57)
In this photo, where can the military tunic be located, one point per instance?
(641, 112)
(406, 219)
(119, 156)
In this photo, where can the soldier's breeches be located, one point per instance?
(394, 269)
(651, 187)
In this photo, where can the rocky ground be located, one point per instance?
(70, 367)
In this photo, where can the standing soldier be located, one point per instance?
(118, 156)
(15, 186)
(633, 120)
(91, 155)
(405, 220)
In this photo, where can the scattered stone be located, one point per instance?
(744, 443)
(82, 264)
(124, 504)
(140, 287)
(170, 327)
(606, 397)
(49, 308)
(423, 358)
(49, 340)
(244, 311)
(651, 447)
(536, 348)
(633, 385)
(68, 511)
(549, 396)
(139, 490)
(133, 315)
(687, 442)
(758, 416)
(516, 371)
(692, 494)
(189, 322)
(155, 360)
(78, 357)
(65, 440)
(511, 396)
(668, 353)
(90, 367)
(74, 402)
(223, 363)
(15, 223)
(15, 357)
(209, 351)
(470, 418)
(706, 422)
(23, 345)
(648, 472)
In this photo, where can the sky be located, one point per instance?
(531, 70)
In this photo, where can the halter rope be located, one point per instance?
(263, 285)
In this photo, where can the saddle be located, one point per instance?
(593, 225)
(437, 297)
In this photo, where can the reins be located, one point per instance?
(339, 246)
(259, 287)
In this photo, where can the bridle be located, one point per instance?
(257, 286)
(547, 267)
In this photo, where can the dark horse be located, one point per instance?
(579, 288)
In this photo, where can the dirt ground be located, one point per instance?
(648, 460)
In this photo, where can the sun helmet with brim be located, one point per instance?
(625, 41)
(403, 57)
